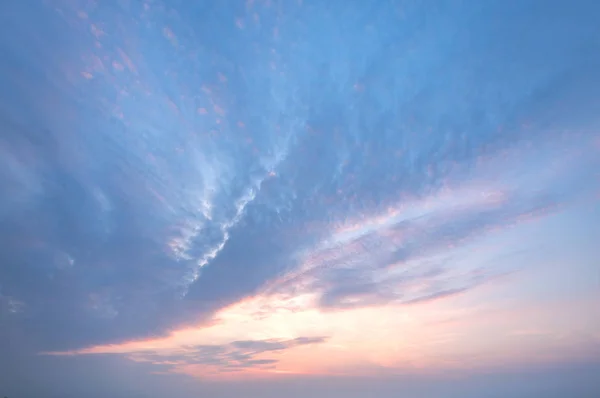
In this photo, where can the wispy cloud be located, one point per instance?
(237, 356)
(412, 259)
(406, 253)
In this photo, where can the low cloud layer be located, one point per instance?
(236, 356)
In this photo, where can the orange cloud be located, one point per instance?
(420, 318)
(270, 335)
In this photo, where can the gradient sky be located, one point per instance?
(325, 198)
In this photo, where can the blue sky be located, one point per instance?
(203, 197)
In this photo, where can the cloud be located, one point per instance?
(236, 356)
(10, 305)
(127, 213)
(412, 253)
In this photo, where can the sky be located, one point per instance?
(326, 198)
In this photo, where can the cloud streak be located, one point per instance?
(237, 356)
(406, 253)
